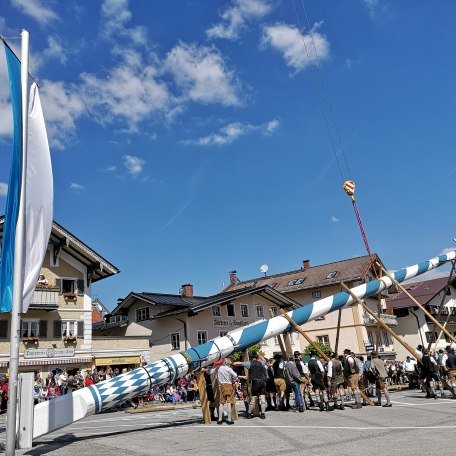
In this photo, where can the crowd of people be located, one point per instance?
(326, 385)
(278, 382)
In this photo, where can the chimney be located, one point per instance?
(187, 290)
(306, 264)
(233, 278)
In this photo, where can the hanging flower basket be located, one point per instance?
(30, 340)
(69, 339)
(70, 296)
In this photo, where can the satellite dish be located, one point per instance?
(264, 268)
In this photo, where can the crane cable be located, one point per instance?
(349, 184)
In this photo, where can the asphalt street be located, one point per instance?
(414, 425)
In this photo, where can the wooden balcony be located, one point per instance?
(45, 298)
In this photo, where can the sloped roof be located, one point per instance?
(264, 291)
(349, 270)
(423, 292)
(61, 238)
(157, 298)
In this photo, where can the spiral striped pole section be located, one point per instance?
(64, 410)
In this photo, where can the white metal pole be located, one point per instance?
(18, 280)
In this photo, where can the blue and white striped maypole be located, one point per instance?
(64, 410)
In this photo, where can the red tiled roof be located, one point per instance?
(423, 292)
(314, 277)
(96, 317)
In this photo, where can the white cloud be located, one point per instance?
(115, 16)
(296, 48)
(111, 168)
(236, 16)
(77, 187)
(371, 5)
(3, 189)
(134, 164)
(233, 131)
(202, 75)
(62, 106)
(334, 219)
(448, 250)
(37, 9)
(55, 51)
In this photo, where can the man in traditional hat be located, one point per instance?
(351, 372)
(378, 369)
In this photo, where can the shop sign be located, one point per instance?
(230, 323)
(118, 361)
(32, 353)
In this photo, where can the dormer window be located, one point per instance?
(331, 275)
(296, 281)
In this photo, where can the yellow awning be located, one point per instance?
(116, 361)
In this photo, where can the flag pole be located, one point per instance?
(18, 281)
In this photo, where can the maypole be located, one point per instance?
(66, 409)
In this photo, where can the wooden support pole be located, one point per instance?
(287, 341)
(419, 305)
(203, 397)
(317, 348)
(381, 322)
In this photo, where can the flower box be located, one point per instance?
(70, 296)
(69, 339)
(30, 340)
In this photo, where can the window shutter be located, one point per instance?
(57, 329)
(58, 282)
(80, 286)
(81, 329)
(3, 329)
(43, 329)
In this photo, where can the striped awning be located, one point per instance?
(53, 361)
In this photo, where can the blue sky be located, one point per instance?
(187, 137)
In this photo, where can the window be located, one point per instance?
(230, 310)
(142, 314)
(216, 311)
(223, 333)
(69, 328)
(401, 312)
(386, 338)
(260, 311)
(201, 337)
(370, 336)
(293, 337)
(296, 281)
(30, 328)
(244, 311)
(323, 340)
(331, 275)
(316, 294)
(275, 311)
(175, 341)
(71, 285)
(431, 336)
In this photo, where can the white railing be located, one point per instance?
(47, 297)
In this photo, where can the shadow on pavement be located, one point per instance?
(67, 439)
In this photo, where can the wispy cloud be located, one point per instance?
(36, 9)
(77, 187)
(232, 132)
(134, 165)
(111, 168)
(236, 16)
(55, 50)
(202, 75)
(334, 219)
(296, 48)
(3, 189)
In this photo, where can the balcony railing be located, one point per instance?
(45, 299)
(390, 320)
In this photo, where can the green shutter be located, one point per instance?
(3, 329)
(81, 329)
(57, 329)
(80, 285)
(43, 329)
(58, 282)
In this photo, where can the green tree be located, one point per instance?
(237, 356)
(326, 349)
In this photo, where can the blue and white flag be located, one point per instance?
(39, 194)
